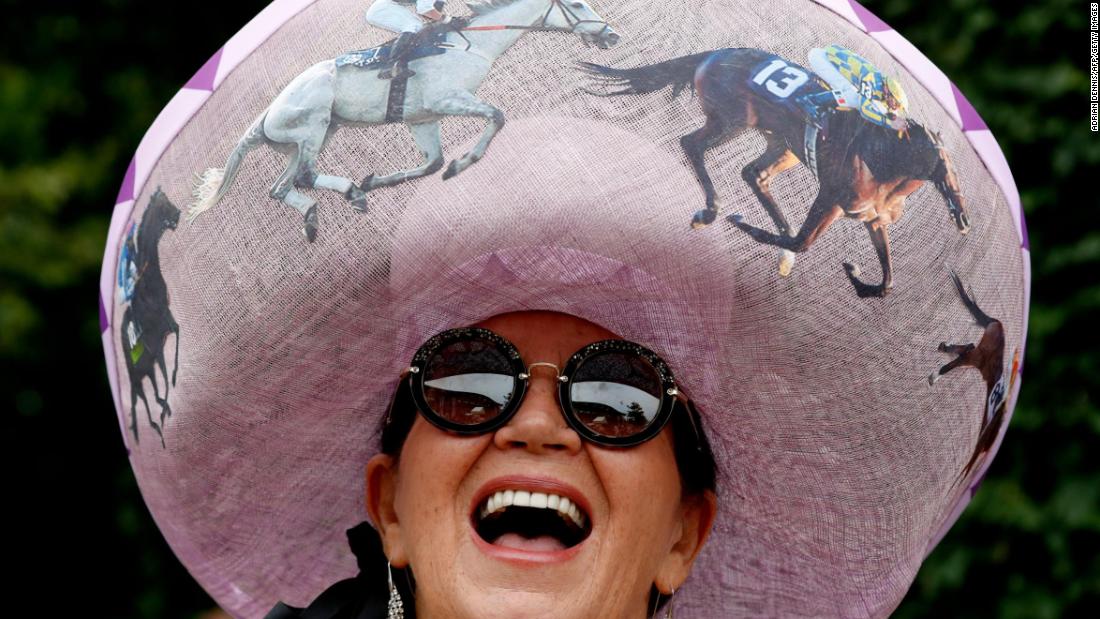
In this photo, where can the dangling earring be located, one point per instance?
(668, 605)
(396, 610)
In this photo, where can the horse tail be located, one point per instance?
(213, 183)
(678, 72)
(981, 318)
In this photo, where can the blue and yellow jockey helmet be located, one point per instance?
(896, 100)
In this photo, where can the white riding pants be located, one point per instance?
(819, 62)
(391, 16)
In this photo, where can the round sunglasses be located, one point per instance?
(471, 381)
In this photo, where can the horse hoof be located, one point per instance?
(309, 227)
(852, 269)
(703, 217)
(359, 203)
(365, 186)
(735, 219)
(786, 262)
(452, 169)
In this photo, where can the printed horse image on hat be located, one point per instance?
(345, 91)
(987, 356)
(147, 320)
(865, 171)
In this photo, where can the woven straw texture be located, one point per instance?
(838, 461)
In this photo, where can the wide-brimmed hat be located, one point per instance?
(846, 303)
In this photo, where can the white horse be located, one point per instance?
(300, 120)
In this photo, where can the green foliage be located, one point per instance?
(80, 81)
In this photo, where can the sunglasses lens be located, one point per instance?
(616, 394)
(468, 382)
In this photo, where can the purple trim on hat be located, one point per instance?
(160, 134)
(126, 191)
(204, 78)
(971, 121)
(108, 280)
(871, 22)
(103, 322)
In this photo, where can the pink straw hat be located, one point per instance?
(851, 421)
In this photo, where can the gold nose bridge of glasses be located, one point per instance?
(530, 370)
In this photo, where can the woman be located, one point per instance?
(431, 489)
(298, 422)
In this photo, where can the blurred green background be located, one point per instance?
(80, 81)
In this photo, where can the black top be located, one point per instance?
(362, 597)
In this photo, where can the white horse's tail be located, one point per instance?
(213, 183)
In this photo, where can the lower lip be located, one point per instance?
(525, 558)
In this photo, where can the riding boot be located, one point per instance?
(398, 51)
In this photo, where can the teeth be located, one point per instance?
(539, 500)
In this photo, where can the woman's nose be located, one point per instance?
(539, 425)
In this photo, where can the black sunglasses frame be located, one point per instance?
(414, 383)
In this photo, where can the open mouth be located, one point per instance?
(533, 521)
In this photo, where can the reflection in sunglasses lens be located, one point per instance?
(468, 382)
(616, 394)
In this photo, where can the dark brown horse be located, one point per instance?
(147, 321)
(988, 357)
(865, 171)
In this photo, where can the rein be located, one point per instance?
(570, 18)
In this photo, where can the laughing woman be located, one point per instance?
(524, 385)
(534, 465)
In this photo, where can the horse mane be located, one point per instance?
(151, 227)
(890, 157)
(481, 7)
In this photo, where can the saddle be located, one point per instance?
(773, 83)
(378, 57)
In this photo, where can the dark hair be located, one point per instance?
(694, 458)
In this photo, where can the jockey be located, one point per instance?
(127, 267)
(855, 83)
(405, 17)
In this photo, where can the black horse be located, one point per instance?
(865, 171)
(148, 321)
